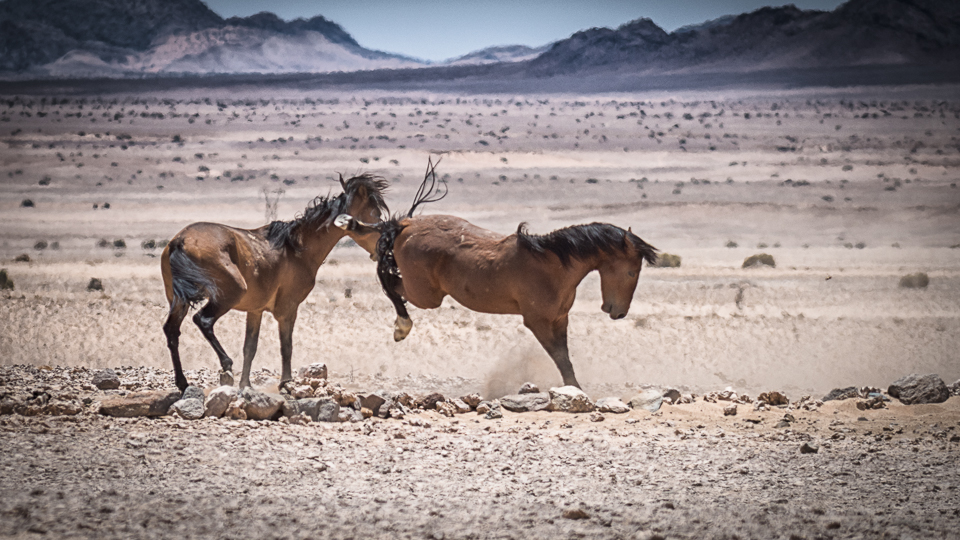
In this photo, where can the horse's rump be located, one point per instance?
(191, 285)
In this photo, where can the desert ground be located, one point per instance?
(849, 189)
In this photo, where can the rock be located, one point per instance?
(730, 410)
(782, 424)
(149, 403)
(314, 371)
(569, 399)
(235, 410)
(302, 391)
(484, 407)
(671, 394)
(529, 388)
(290, 407)
(404, 399)
(915, 389)
(528, 402)
(474, 399)
(193, 392)
(371, 401)
(494, 411)
(188, 409)
(301, 419)
(919, 280)
(612, 405)
(260, 406)
(596, 417)
(347, 399)
(429, 402)
(841, 394)
(321, 409)
(807, 448)
(955, 388)
(575, 513)
(760, 259)
(106, 379)
(219, 399)
(648, 400)
(446, 408)
(875, 401)
(462, 407)
(350, 415)
(773, 399)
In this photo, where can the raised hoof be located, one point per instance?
(401, 328)
(342, 221)
(226, 378)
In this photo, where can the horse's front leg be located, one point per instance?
(552, 335)
(250, 345)
(285, 323)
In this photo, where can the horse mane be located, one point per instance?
(583, 242)
(324, 209)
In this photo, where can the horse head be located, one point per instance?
(619, 272)
(364, 202)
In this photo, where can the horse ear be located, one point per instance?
(342, 183)
(630, 230)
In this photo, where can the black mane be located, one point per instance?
(323, 210)
(583, 242)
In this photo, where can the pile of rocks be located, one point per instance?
(312, 397)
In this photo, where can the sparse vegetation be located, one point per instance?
(6, 284)
(760, 259)
(95, 285)
(668, 260)
(920, 280)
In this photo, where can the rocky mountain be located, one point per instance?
(859, 32)
(122, 37)
(493, 55)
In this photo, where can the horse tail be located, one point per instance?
(191, 285)
(388, 273)
(428, 193)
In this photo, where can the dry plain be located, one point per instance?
(848, 189)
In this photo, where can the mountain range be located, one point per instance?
(123, 38)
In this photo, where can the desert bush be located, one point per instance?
(95, 285)
(731, 244)
(148, 245)
(119, 244)
(920, 280)
(40, 245)
(26, 203)
(6, 284)
(668, 260)
(23, 257)
(102, 243)
(760, 259)
(45, 181)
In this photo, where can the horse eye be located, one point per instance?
(631, 273)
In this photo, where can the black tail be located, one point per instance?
(428, 193)
(191, 285)
(387, 270)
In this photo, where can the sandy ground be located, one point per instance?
(849, 189)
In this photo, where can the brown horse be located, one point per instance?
(272, 268)
(422, 259)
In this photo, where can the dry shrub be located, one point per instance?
(760, 259)
(919, 280)
(668, 260)
(95, 285)
(23, 257)
(6, 284)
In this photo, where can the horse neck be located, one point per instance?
(318, 243)
(579, 268)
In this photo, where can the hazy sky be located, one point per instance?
(442, 29)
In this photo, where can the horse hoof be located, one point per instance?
(401, 328)
(226, 378)
(342, 221)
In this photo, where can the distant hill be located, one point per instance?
(121, 37)
(859, 32)
(493, 55)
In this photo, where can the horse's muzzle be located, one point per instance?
(618, 316)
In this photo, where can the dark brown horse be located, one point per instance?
(422, 259)
(272, 268)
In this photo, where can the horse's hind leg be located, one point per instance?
(552, 335)
(205, 319)
(403, 324)
(171, 328)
